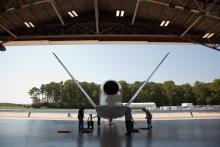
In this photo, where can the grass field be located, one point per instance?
(12, 107)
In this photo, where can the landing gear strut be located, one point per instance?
(110, 121)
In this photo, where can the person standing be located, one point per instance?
(80, 118)
(128, 121)
(99, 121)
(148, 117)
(90, 124)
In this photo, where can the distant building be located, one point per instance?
(165, 108)
(149, 105)
(168, 108)
(187, 104)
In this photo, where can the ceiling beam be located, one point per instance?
(148, 11)
(196, 20)
(28, 5)
(192, 25)
(59, 15)
(209, 8)
(3, 19)
(197, 4)
(162, 13)
(188, 20)
(116, 37)
(97, 36)
(96, 15)
(135, 11)
(204, 44)
(180, 1)
(210, 28)
(207, 13)
(7, 30)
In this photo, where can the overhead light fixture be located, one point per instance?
(208, 35)
(120, 13)
(117, 13)
(164, 23)
(29, 24)
(167, 23)
(32, 25)
(212, 34)
(72, 14)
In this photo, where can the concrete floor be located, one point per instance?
(38, 133)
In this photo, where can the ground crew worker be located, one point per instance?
(80, 118)
(99, 121)
(128, 121)
(148, 117)
(90, 123)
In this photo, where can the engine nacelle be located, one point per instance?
(110, 93)
(111, 87)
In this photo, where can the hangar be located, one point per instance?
(167, 21)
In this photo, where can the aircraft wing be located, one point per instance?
(147, 80)
(77, 83)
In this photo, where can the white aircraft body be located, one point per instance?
(110, 102)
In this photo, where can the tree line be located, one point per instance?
(68, 95)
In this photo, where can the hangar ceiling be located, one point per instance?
(196, 21)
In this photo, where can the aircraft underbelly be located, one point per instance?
(113, 112)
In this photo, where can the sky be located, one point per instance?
(23, 67)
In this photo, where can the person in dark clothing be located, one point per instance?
(128, 121)
(80, 118)
(99, 121)
(90, 123)
(148, 117)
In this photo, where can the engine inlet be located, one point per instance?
(111, 87)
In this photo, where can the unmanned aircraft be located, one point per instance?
(110, 102)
